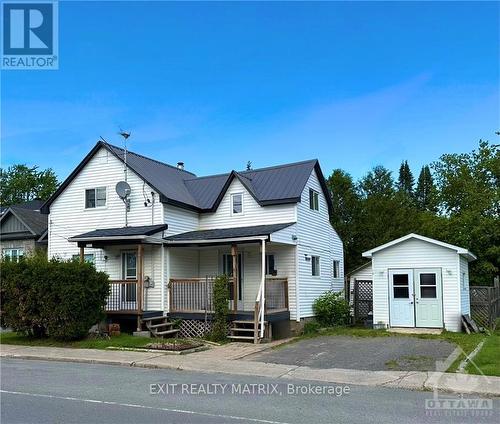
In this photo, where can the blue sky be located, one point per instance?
(218, 84)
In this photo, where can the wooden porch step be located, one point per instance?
(163, 324)
(166, 332)
(241, 337)
(245, 322)
(242, 329)
(156, 318)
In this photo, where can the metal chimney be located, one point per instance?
(180, 165)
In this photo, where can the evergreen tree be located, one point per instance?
(426, 196)
(405, 180)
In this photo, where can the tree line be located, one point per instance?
(455, 199)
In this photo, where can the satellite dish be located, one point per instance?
(122, 189)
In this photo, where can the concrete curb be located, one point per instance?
(413, 380)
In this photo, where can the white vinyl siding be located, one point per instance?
(316, 237)
(464, 286)
(180, 220)
(415, 254)
(69, 217)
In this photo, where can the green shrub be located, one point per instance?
(331, 309)
(311, 327)
(221, 308)
(52, 298)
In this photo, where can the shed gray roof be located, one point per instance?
(274, 185)
(143, 230)
(228, 233)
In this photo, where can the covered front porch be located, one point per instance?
(261, 271)
(133, 257)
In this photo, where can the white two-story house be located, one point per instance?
(164, 241)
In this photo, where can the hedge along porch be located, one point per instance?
(420, 282)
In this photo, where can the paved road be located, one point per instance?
(61, 392)
(386, 353)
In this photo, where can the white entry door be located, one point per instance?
(401, 308)
(428, 298)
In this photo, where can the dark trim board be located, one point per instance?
(239, 315)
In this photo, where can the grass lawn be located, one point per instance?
(123, 340)
(467, 342)
(488, 358)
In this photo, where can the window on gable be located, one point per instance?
(313, 200)
(315, 267)
(270, 265)
(336, 269)
(95, 197)
(237, 203)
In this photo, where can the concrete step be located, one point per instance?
(240, 337)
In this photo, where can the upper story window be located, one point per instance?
(313, 200)
(95, 197)
(336, 269)
(13, 254)
(236, 203)
(315, 266)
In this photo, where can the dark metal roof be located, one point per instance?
(143, 230)
(274, 185)
(31, 218)
(228, 233)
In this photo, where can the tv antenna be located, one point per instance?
(122, 187)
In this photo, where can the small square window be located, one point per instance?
(401, 293)
(237, 203)
(400, 279)
(336, 269)
(315, 266)
(95, 197)
(313, 200)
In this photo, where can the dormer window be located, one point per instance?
(236, 203)
(95, 197)
(313, 200)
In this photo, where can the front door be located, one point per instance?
(227, 269)
(428, 298)
(401, 310)
(129, 272)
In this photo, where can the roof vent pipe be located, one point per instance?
(180, 165)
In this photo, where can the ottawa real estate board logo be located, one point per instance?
(30, 35)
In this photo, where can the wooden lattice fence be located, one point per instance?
(485, 304)
(362, 300)
(196, 328)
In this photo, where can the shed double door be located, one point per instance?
(415, 297)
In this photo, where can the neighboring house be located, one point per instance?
(23, 229)
(269, 228)
(417, 282)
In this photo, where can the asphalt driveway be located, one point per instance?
(363, 353)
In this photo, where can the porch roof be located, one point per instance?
(226, 234)
(119, 234)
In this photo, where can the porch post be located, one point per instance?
(82, 254)
(140, 280)
(234, 253)
(263, 268)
